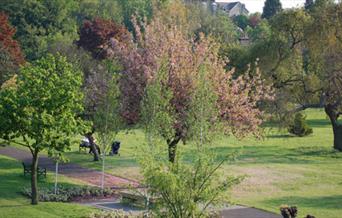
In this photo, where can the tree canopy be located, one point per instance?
(271, 8)
(42, 109)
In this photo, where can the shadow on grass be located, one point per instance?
(13, 182)
(318, 152)
(318, 122)
(274, 154)
(284, 136)
(86, 159)
(324, 202)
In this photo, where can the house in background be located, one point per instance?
(232, 8)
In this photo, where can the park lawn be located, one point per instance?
(13, 204)
(280, 169)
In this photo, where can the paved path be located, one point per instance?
(92, 177)
(231, 212)
(245, 212)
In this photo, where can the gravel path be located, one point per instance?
(90, 176)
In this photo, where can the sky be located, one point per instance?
(257, 5)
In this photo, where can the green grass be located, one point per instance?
(280, 169)
(14, 205)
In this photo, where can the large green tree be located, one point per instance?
(41, 111)
(271, 8)
(303, 63)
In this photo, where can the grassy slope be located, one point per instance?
(281, 169)
(13, 204)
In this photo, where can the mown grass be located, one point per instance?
(14, 205)
(280, 168)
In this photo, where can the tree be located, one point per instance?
(308, 4)
(38, 23)
(271, 8)
(96, 36)
(141, 62)
(104, 9)
(254, 19)
(303, 64)
(141, 9)
(41, 112)
(184, 189)
(10, 53)
(241, 21)
(325, 55)
(102, 93)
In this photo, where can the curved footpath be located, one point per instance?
(93, 177)
(90, 176)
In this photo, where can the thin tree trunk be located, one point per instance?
(333, 115)
(172, 145)
(34, 186)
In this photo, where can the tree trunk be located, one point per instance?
(93, 147)
(172, 145)
(333, 115)
(338, 137)
(34, 186)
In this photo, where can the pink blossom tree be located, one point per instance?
(163, 47)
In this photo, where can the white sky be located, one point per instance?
(257, 5)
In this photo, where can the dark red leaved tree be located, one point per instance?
(11, 56)
(95, 36)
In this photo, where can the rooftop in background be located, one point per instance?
(233, 8)
(257, 5)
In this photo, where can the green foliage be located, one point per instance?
(105, 9)
(271, 8)
(157, 114)
(185, 188)
(44, 106)
(218, 25)
(141, 9)
(43, 109)
(299, 127)
(38, 23)
(241, 21)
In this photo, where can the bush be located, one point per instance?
(299, 127)
(187, 188)
(67, 194)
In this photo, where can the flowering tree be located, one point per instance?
(165, 45)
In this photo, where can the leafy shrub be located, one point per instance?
(299, 127)
(186, 189)
(67, 194)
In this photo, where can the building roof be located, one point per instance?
(227, 5)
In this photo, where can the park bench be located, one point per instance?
(27, 170)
